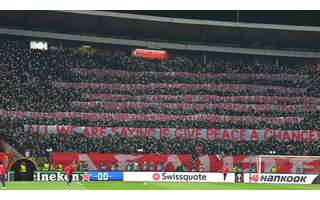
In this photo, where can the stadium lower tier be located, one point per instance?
(189, 162)
(41, 144)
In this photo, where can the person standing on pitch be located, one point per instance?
(69, 171)
(225, 171)
(2, 175)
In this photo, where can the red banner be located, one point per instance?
(293, 164)
(201, 98)
(171, 133)
(180, 86)
(122, 106)
(149, 117)
(214, 76)
(209, 162)
(151, 54)
(94, 159)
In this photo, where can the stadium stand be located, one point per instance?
(230, 94)
(67, 88)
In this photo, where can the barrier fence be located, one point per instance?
(186, 177)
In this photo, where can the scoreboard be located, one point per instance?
(103, 176)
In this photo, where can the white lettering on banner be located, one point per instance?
(217, 76)
(178, 177)
(120, 106)
(200, 98)
(224, 134)
(180, 86)
(151, 117)
(53, 176)
(280, 178)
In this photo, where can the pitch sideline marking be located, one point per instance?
(79, 183)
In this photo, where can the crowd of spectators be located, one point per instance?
(27, 78)
(42, 145)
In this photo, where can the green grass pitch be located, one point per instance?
(119, 185)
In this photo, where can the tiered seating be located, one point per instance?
(62, 87)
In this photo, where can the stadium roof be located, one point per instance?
(177, 31)
(288, 17)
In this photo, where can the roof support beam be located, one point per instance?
(273, 38)
(64, 22)
(240, 37)
(100, 26)
(169, 32)
(28, 20)
(134, 29)
(204, 34)
(309, 36)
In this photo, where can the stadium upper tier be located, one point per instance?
(109, 88)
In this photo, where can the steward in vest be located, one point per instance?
(23, 168)
(46, 166)
(234, 169)
(59, 167)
